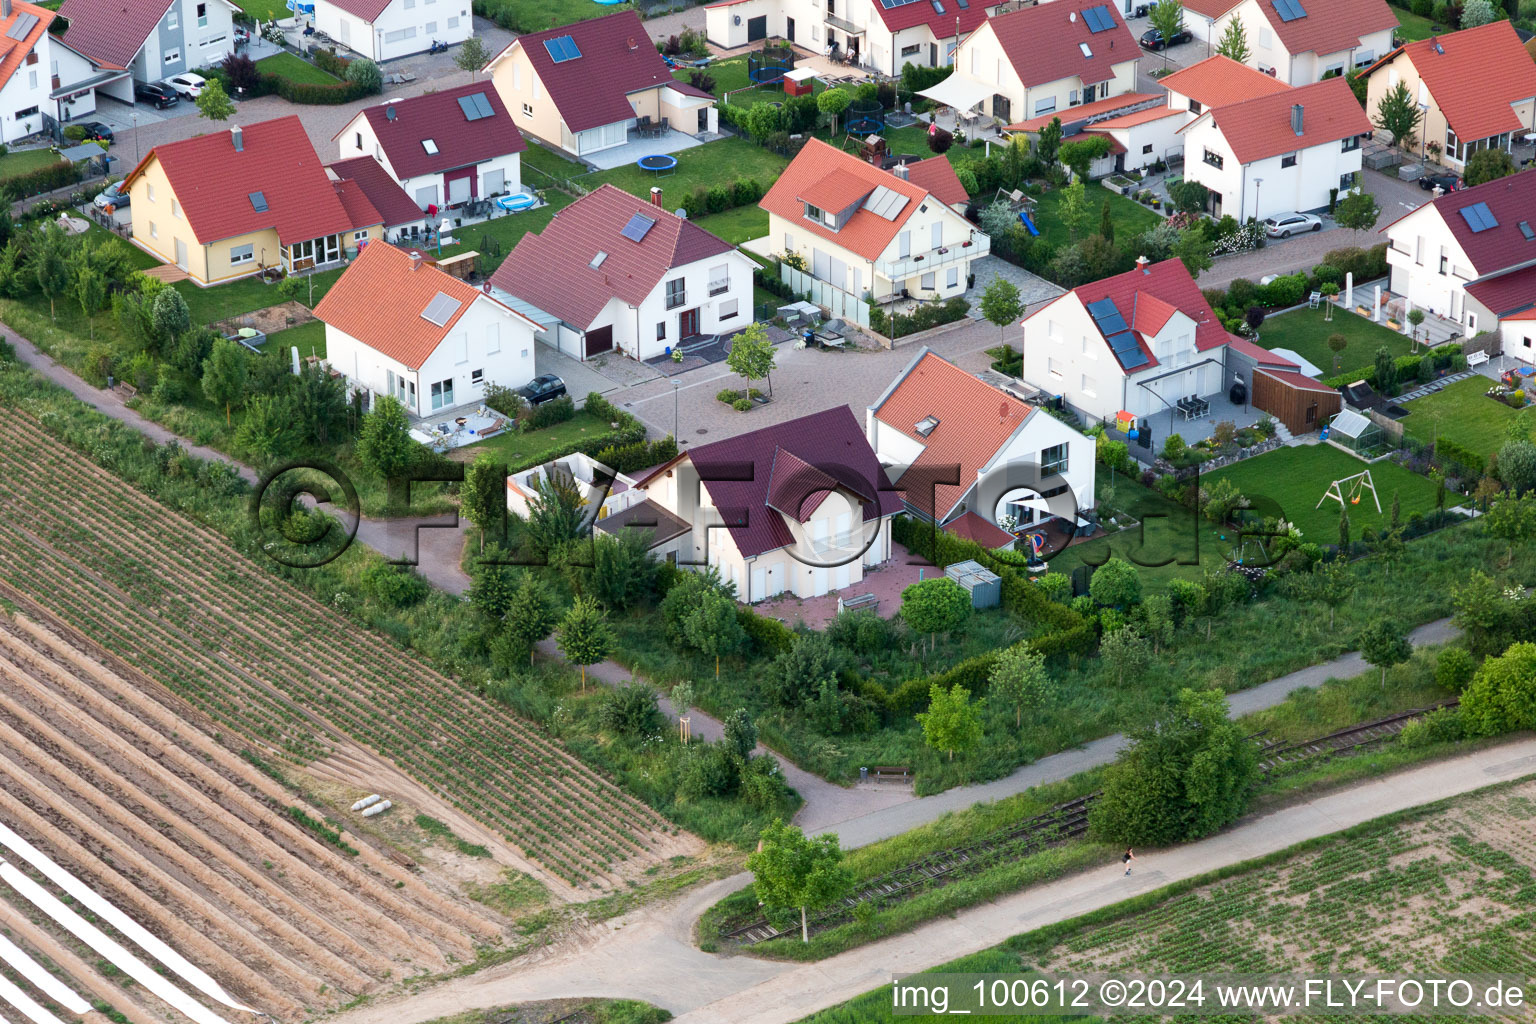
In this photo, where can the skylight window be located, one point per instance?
(1525, 229)
(429, 146)
(597, 260)
(258, 202)
(1086, 51)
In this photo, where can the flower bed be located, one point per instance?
(741, 401)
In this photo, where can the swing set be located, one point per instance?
(1357, 485)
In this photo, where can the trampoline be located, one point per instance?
(769, 65)
(516, 201)
(661, 163)
(865, 117)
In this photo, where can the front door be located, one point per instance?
(703, 120)
(759, 584)
(181, 254)
(933, 55)
(789, 29)
(757, 28)
(688, 324)
(1002, 107)
(346, 32)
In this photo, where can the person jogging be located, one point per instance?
(1126, 858)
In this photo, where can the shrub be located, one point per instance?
(742, 405)
(1454, 668)
(43, 179)
(1115, 584)
(550, 413)
(631, 711)
(394, 586)
(1502, 697)
(1284, 291)
(504, 400)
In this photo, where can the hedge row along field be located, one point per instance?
(175, 601)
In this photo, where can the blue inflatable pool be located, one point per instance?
(516, 201)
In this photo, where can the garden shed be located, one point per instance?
(1356, 433)
(984, 585)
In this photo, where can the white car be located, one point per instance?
(1284, 225)
(187, 84)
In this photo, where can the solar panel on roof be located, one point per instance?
(467, 105)
(889, 4)
(1290, 10)
(23, 24)
(562, 49)
(886, 203)
(482, 104)
(1101, 307)
(637, 227)
(1479, 217)
(1122, 342)
(964, 5)
(258, 202)
(1134, 358)
(475, 106)
(441, 309)
(1099, 19)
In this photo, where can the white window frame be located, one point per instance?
(242, 254)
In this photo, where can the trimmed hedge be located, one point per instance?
(770, 636)
(309, 93)
(43, 179)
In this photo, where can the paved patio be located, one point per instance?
(886, 581)
(1033, 290)
(673, 141)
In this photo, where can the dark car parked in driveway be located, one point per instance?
(157, 94)
(1152, 39)
(95, 130)
(542, 389)
(1447, 182)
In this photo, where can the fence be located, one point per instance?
(838, 303)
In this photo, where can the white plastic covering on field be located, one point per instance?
(119, 957)
(367, 801)
(33, 1010)
(38, 975)
(130, 928)
(378, 808)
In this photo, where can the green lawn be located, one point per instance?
(1295, 478)
(264, 10)
(138, 259)
(549, 164)
(1465, 414)
(1168, 532)
(738, 225)
(1130, 218)
(716, 163)
(286, 65)
(507, 229)
(1412, 26)
(308, 338)
(243, 296)
(520, 451)
(25, 161)
(731, 77)
(1304, 331)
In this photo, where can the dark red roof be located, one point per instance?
(1043, 43)
(438, 118)
(1168, 281)
(214, 183)
(110, 32)
(354, 200)
(1507, 294)
(970, 526)
(1297, 380)
(368, 10)
(1510, 200)
(923, 12)
(737, 473)
(553, 269)
(617, 58)
(1259, 354)
(386, 195)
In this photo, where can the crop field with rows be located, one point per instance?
(286, 673)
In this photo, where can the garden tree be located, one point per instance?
(1234, 41)
(384, 444)
(937, 605)
(1115, 584)
(483, 495)
(762, 120)
(796, 675)
(682, 698)
(1454, 669)
(751, 356)
(1359, 86)
(530, 614)
(1193, 249)
(472, 56)
(318, 403)
(631, 710)
(940, 140)
(1397, 113)
(1048, 142)
(622, 572)
(997, 219)
(1080, 153)
(1517, 465)
(1106, 223)
(1073, 210)
(1223, 589)
(833, 102)
(1337, 343)
(585, 638)
(1343, 531)
(1186, 775)
(686, 591)
(556, 515)
(1480, 611)
(1385, 366)
(1512, 519)
(1332, 584)
(1395, 519)
(1019, 678)
(50, 264)
(1168, 18)
(91, 293)
(1384, 644)
(1357, 211)
(241, 71)
(951, 722)
(213, 102)
(1000, 304)
(1390, 548)
(225, 372)
(266, 431)
(12, 263)
(1124, 652)
(365, 74)
(1159, 624)
(169, 317)
(1478, 12)
(739, 735)
(1502, 697)
(1488, 165)
(713, 627)
(492, 589)
(1189, 196)
(792, 871)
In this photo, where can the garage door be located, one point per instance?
(599, 340)
(757, 28)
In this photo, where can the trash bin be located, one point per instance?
(863, 774)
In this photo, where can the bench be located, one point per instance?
(889, 774)
(1476, 358)
(852, 604)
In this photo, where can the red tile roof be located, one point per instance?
(213, 182)
(1167, 284)
(1151, 314)
(1218, 80)
(617, 58)
(835, 191)
(553, 270)
(381, 296)
(866, 233)
(830, 441)
(975, 421)
(936, 175)
(1329, 26)
(437, 116)
(111, 32)
(354, 200)
(1507, 295)
(921, 12)
(1261, 127)
(1481, 72)
(1211, 9)
(15, 51)
(1510, 200)
(1298, 380)
(368, 10)
(970, 526)
(1043, 43)
(1088, 110)
(386, 195)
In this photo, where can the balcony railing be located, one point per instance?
(843, 25)
(676, 299)
(720, 287)
(922, 262)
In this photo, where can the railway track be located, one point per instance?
(1058, 825)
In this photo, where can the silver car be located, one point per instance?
(113, 196)
(1284, 225)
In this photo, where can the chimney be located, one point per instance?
(901, 171)
(1143, 263)
(415, 258)
(238, 138)
(655, 195)
(1296, 109)
(5, 8)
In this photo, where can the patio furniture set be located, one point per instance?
(1193, 407)
(648, 127)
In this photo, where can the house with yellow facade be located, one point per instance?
(231, 203)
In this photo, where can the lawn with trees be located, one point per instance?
(1463, 412)
(1306, 332)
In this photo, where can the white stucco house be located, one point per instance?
(612, 272)
(443, 148)
(150, 39)
(799, 507)
(396, 325)
(1299, 41)
(385, 29)
(1289, 150)
(41, 79)
(937, 424)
